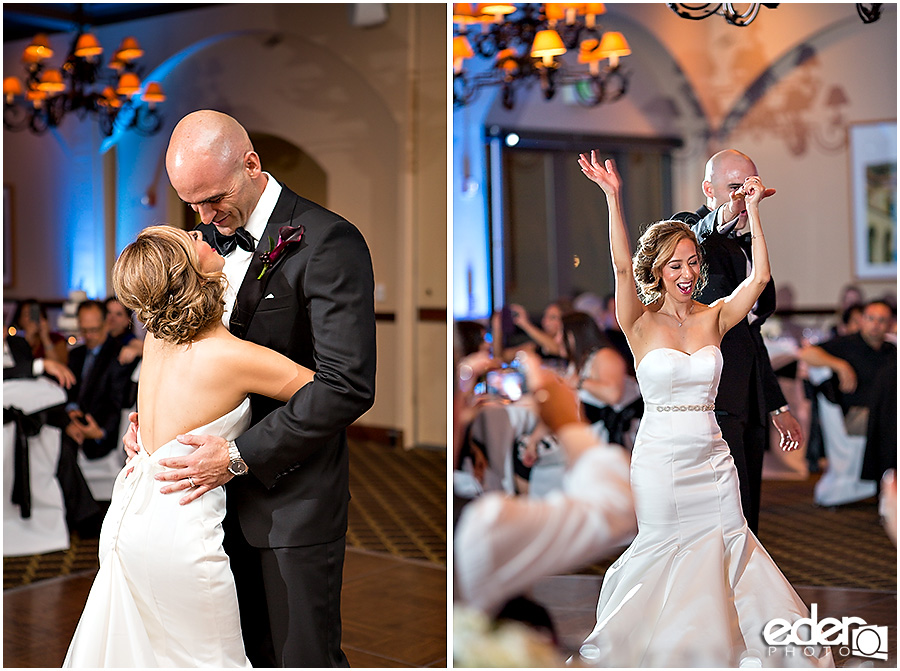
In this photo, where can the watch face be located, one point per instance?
(237, 467)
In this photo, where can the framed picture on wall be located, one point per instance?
(873, 181)
(7, 237)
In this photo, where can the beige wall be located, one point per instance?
(367, 104)
(774, 79)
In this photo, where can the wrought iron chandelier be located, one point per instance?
(868, 12)
(525, 43)
(113, 95)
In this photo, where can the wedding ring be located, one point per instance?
(191, 480)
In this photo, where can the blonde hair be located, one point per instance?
(655, 249)
(159, 277)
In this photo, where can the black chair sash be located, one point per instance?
(28, 426)
(617, 423)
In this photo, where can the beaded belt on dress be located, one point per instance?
(703, 407)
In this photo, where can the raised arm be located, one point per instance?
(628, 306)
(538, 335)
(738, 305)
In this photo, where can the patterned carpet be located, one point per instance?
(398, 505)
(820, 547)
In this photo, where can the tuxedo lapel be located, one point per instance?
(252, 289)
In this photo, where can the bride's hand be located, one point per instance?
(604, 175)
(129, 440)
(754, 191)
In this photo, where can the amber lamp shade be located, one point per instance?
(129, 84)
(87, 46)
(39, 49)
(547, 44)
(129, 50)
(12, 87)
(51, 82)
(153, 94)
(612, 46)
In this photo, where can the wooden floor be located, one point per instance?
(394, 614)
(572, 602)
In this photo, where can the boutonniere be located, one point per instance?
(287, 235)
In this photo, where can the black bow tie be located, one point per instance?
(225, 244)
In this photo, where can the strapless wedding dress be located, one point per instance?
(164, 595)
(695, 587)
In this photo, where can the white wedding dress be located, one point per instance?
(695, 587)
(164, 595)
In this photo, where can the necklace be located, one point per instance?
(690, 310)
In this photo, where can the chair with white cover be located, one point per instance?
(101, 473)
(841, 481)
(45, 530)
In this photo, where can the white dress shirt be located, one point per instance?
(237, 263)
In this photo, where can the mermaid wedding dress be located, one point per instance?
(164, 595)
(695, 587)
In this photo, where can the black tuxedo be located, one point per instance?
(316, 306)
(748, 389)
(103, 394)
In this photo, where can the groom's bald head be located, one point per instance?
(212, 166)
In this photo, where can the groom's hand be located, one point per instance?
(205, 469)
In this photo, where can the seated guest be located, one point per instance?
(544, 338)
(102, 385)
(613, 332)
(30, 322)
(858, 357)
(881, 432)
(849, 309)
(504, 545)
(19, 362)
(472, 337)
(849, 322)
(598, 371)
(858, 361)
(120, 324)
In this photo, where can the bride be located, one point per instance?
(165, 594)
(695, 587)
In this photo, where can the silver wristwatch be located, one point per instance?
(237, 466)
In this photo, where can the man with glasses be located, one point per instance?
(95, 408)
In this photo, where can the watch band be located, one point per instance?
(782, 409)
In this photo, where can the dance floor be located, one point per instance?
(395, 579)
(838, 558)
(393, 611)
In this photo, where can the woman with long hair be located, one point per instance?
(165, 594)
(695, 588)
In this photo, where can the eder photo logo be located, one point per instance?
(850, 635)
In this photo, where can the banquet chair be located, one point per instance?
(841, 481)
(101, 473)
(43, 528)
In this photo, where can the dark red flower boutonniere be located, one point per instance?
(287, 235)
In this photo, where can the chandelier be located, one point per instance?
(524, 44)
(113, 95)
(868, 12)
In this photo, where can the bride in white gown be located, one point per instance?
(695, 588)
(164, 595)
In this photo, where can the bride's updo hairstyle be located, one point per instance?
(655, 249)
(159, 277)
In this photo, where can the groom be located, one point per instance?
(749, 392)
(287, 476)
